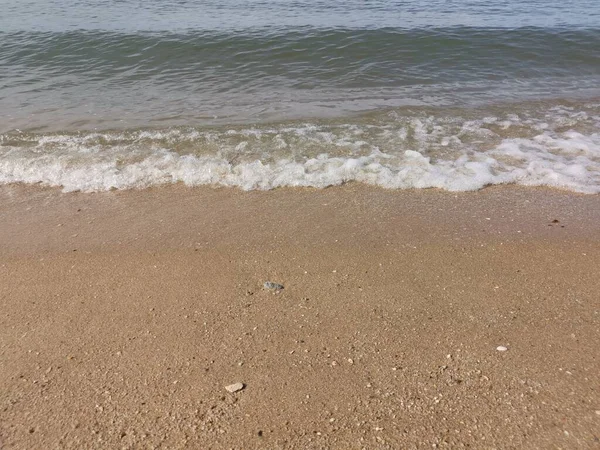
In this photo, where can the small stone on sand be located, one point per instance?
(273, 286)
(501, 348)
(235, 387)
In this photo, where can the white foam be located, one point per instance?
(423, 152)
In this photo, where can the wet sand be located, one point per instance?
(125, 315)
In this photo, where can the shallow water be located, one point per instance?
(100, 94)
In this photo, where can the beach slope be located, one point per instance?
(407, 318)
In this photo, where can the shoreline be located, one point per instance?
(127, 313)
(39, 218)
(455, 149)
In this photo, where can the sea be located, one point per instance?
(97, 95)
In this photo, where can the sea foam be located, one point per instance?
(559, 147)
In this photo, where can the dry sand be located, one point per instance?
(126, 314)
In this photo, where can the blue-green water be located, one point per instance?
(455, 94)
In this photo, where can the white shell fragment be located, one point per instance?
(501, 348)
(273, 286)
(235, 387)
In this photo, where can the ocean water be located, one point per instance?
(458, 95)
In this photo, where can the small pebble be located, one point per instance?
(273, 286)
(235, 387)
(501, 348)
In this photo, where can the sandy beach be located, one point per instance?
(125, 314)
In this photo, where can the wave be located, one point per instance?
(556, 146)
(340, 57)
